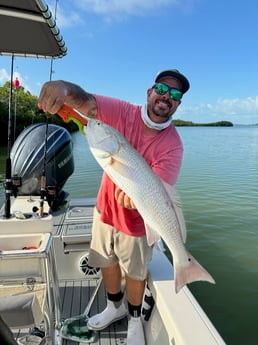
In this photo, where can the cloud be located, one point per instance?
(5, 76)
(119, 10)
(72, 12)
(123, 7)
(65, 15)
(74, 19)
(236, 110)
(237, 106)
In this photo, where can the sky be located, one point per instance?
(116, 48)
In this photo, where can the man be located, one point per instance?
(118, 233)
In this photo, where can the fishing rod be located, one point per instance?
(43, 177)
(43, 182)
(12, 183)
(8, 167)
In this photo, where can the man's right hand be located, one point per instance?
(52, 96)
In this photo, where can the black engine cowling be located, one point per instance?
(28, 156)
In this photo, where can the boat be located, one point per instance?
(47, 288)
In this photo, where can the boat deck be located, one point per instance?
(74, 298)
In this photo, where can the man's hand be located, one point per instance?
(55, 93)
(123, 199)
(52, 96)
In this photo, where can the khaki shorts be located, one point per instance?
(110, 246)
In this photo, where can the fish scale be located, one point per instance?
(129, 170)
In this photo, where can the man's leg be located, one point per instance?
(112, 278)
(135, 291)
(116, 308)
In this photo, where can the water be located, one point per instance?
(218, 187)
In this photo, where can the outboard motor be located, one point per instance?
(28, 160)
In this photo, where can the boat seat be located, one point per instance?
(76, 232)
(21, 311)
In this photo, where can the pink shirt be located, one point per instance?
(163, 152)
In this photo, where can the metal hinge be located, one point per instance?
(30, 283)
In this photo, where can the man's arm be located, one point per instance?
(55, 93)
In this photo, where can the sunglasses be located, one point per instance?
(162, 89)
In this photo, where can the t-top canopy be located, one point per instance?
(28, 29)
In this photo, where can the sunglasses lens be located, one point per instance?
(161, 89)
(175, 94)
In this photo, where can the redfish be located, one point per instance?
(155, 203)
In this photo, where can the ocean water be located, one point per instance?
(218, 188)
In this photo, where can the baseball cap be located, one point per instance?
(177, 75)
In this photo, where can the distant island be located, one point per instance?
(211, 124)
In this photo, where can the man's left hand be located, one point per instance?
(123, 199)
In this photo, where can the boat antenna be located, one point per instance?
(8, 170)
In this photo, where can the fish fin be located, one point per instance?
(177, 208)
(151, 235)
(190, 273)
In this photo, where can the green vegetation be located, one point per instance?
(24, 112)
(211, 124)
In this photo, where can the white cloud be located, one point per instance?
(5, 76)
(71, 13)
(239, 106)
(125, 6)
(63, 21)
(64, 15)
(236, 110)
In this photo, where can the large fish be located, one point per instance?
(129, 170)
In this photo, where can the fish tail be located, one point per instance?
(190, 273)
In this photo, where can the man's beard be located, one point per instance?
(149, 123)
(158, 111)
